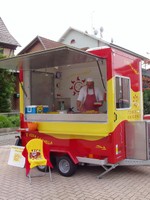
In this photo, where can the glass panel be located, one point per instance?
(42, 89)
(122, 92)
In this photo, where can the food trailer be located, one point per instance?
(50, 82)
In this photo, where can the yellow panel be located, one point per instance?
(21, 99)
(74, 130)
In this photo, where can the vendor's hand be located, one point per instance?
(81, 109)
(98, 104)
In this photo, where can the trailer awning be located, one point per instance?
(48, 58)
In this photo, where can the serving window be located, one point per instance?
(52, 86)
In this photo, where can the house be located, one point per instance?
(38, 44)
(84, 41)
(8, 43)
(80, 39)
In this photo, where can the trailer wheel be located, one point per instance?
(43, 168)
(18, 141)
(65, 166)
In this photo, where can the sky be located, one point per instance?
(126, 21)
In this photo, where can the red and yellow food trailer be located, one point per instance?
(50, 82)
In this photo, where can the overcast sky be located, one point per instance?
(126, 21)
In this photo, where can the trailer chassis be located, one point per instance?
(109, 167)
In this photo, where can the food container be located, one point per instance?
(42, 109)
(45, 109)
(39, 109)
(98, 104)
(31, 109)
(32, 126)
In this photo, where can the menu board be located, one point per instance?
(15, 157)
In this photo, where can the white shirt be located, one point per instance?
(83, 94)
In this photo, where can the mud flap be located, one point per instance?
(18, 141)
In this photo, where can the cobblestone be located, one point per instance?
(122, 183)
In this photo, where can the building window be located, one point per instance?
(72, 41)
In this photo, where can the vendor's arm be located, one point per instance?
(99, 96)
(79, 105)
(80, 100)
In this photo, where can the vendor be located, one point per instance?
(88, 96)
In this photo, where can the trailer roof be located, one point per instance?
(59, 56)
(127, 51)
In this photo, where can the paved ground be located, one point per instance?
(8, 138)
(131, 183)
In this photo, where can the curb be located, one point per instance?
(7, 130)
(3, 130)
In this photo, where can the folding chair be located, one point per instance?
(36, 153)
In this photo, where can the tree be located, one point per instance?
(6, 88)
(146, 101)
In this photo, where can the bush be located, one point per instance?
(146, 99)
(7, 83)
(4, 122)
(15, 120)
(9, 121)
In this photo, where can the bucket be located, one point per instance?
(32, 126)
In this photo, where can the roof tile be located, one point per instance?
(5, 36)
(46, 44)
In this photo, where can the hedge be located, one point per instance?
(9, 121)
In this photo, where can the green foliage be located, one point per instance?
(146, 99)
(15, 120)
(6, 90)
(9, 121)
(2, 56)
(4, 122)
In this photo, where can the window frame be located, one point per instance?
(124, 102)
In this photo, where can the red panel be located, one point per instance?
(102, 148)
(21, 75)
(127, 65)
(120, 63)
(105, 53)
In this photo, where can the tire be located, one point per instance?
(18, 141)
(65, 166)
(43, 168)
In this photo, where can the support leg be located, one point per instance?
(50, 174)
(29, 176)
(107, 170)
